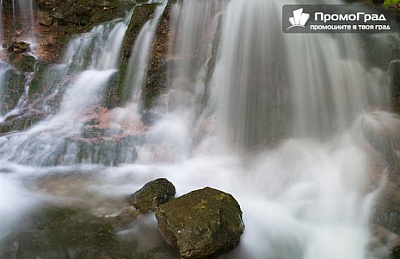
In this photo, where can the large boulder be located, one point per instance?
(201, 223)
(153, 194)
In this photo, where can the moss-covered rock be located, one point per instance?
(19, 123)
(13, 89)
(153, 194)
(26, 63)
(201, 223)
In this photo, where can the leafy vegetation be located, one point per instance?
(391, 2)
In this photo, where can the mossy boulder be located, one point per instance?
(153, 194)
(202, 223)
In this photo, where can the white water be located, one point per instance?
(137, 65)
(98, 49)
(254, 126)
(27, 17)
(90, 61)
(22, 21)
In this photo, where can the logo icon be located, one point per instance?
(299, 18)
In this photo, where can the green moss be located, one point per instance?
(201, 205)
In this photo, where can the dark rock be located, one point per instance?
(109, 152)
(19, 123)
(59, 230)
(153, 194)
(60, 21)
(201, 223)
(142, 14)
(157, 69)
(396, 253)
(13, 89)
(149, 118)
(19, 47)
(394, 71)
(26, 63)
(55, 232)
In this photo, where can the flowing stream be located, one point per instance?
(276, 120)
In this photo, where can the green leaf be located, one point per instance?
(386, 3)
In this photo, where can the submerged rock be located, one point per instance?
(56, 232)
(201, 223)
(153, 194)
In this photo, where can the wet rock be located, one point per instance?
(142, 14)
(153, 194)
(56, 232)
(394, 71)
(158, 69)
(59, 21)
(26, 63)
(19, 47)
(201, 223)
(19, 123)
(150, 118)
(109, 152)
(13, 89)
(382, 243)
(396, 253)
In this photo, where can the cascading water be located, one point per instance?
(18, 28)
(273, 119)
(141, 50)
(20, 25)
(83, 78)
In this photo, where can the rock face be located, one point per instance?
(59, 21)
(153, 194)
(201, 223)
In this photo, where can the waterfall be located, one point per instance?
(94, 68)
(238, 82)
(277, 120)
(90, 61)
(137, 65)
(22, 21)
(250, 74)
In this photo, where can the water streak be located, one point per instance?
(136, 71)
